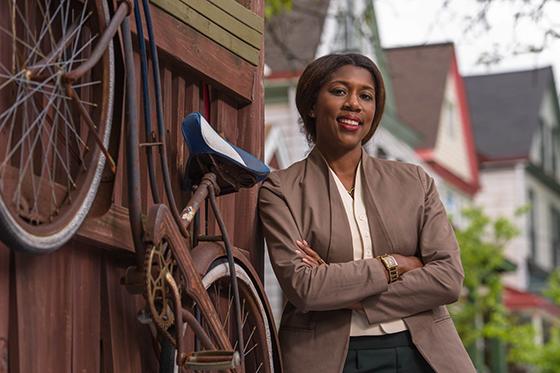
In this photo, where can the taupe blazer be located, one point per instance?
(406, 217)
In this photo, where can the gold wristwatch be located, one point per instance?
(391, 265)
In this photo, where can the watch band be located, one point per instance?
(391, 265)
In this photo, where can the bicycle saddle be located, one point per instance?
(208, 152)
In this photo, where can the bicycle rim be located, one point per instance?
(259, 354)
(50, 164)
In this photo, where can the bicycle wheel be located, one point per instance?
(260, 354)
(50, 163)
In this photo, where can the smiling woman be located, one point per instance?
(361, 247)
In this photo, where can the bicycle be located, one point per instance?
(56, 105)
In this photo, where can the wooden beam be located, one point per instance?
(241, 13)
(226, 21)
(205, 26)
(196, 52)
(111, 230)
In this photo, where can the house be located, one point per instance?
(430, 97)
(516, 122)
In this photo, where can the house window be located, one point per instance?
(532, 224)
(449, 118)
(548, 163)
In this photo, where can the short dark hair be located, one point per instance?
(318, 72)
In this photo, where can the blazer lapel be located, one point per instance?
(333, 230)
(372, 180)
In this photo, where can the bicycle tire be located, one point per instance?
(47, 190)
(254, 313)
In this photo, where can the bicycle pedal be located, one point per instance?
(212, 360)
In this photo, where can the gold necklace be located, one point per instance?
(351, 192)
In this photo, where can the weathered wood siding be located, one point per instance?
(67, 311)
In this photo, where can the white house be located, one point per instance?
(516, 121)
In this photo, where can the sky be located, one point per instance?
(411, 22)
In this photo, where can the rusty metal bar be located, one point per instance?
(34, 71)
(215, 238)
(199, 196)
(132, 148)
(231, 262)
(71, 92)
(198, 329)
(119, 17)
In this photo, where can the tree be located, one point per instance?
(480, 315)
(274, 7)
(523, 349)
(534, 24)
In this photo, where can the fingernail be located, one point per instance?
(298, 252)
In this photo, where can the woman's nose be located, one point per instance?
(352, 103)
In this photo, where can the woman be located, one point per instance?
(362, 247)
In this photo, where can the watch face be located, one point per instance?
(390, 260)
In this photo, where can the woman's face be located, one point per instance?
(344, 109)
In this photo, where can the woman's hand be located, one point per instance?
(309, 257)
(312, 259)
(407, 263)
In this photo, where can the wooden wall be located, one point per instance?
(67, 311)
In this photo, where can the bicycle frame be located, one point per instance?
(160, 221)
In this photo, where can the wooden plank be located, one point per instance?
(251, 122)
(86, 308)
(227, 22)
(226, 123)
(44, 312)
(4, 306)
(243, 14)
(197, 53)
(127, 344)
(194, 19)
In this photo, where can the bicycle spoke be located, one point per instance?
(19, 101)
(45, 27)
(71, 60)
(247, 341)
(82, 21)
(58, 95)
(22, 42)
(40, 118)
(10, 78)
(252, 348)
(77, 137)
(46, 150)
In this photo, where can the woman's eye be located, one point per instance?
(338, 91)
(367, 96)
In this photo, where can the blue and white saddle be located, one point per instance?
(208, 152)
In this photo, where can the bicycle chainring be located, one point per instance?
(159, 295)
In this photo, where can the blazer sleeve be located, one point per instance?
(438, 282)
(325, 287)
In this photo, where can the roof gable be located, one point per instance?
(505, 111)
(419, 75)
(292, 38)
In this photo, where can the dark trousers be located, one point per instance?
(390, 353)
